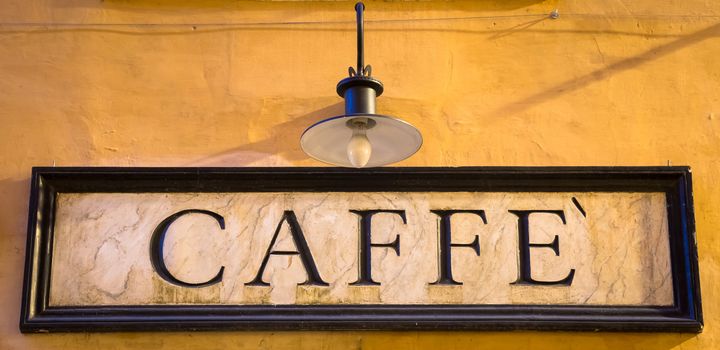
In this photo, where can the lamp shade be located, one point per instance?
(391, 139)
(360, 138)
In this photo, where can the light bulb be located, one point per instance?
(359, 148)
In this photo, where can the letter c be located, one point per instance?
(156, 249)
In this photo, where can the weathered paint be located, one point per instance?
(636, 83)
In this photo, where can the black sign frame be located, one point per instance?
(684, 316)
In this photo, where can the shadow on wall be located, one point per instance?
(607, 71)
(13, 234)
(13, 210)
(282, 148)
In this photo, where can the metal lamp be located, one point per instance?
(360, 138)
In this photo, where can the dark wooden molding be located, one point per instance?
(684, 316)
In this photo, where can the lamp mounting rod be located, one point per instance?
(362, 70)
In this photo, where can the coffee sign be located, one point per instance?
(318, 248)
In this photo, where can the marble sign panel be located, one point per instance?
(611, 248)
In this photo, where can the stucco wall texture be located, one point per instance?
(191, 83)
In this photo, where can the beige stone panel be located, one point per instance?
(620, 251)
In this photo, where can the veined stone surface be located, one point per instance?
(620, 250)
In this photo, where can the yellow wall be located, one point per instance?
(612, 82)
